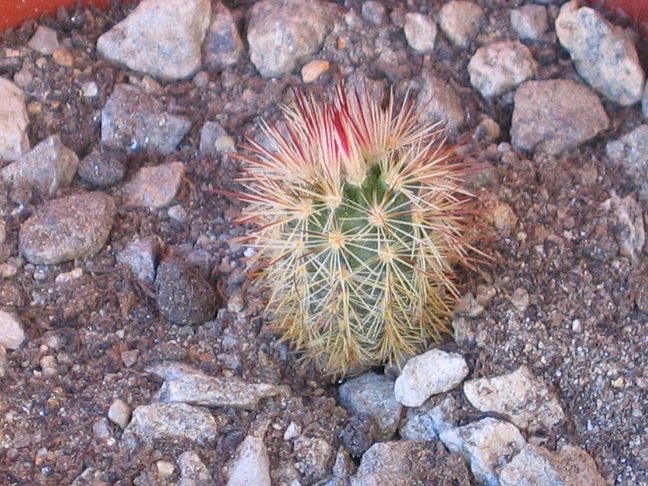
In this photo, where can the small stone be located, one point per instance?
(23, 78)
(11, 330)
(185, 297)
(420, 32)
(460, 20)
(293, 430)
(165, 469)
(13, 121)
(520, 300)
(499, 67)
(555, 115)
(518, 395)
(428, 374)
(141, 256)
(48, 365)
(373, 12)
(129, 358)
(313, 70)
(629, 228)
(47, 167)
(439, 102)
(71, 276)
(313, 457)
(154, 187)
(631, 152)
(193, 471)
(281, 33)
(177, 213)
(486, 445)
(101, 429)
(373, 395)
(603, 54)
(251, 465)
(223, 46)
(502, 216)
(529, 21)
(63, 57)
(209, 135)
(89, 89)
(162, 39)
(119, 413)
(71, 227)
(44, 40)
(4, 364)
(103, 167)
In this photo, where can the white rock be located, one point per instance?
(13, 121)
(432, 372)
(11, 331)
(501, 66)
(420, 32)
(459, 20)
(44, 40)
(518, 395)
(154, 187)
(141, 255)
(119, 413)
(251, 466)
(162, 38)
(487, 445)
(603, 54)
(193, 471)
(529, 21)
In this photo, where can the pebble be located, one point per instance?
(211, 137)
(44, 40)
(165, 469)
(162, 39)
(439, 102)
(170, 422)
(313, 458)
(63, 57)
(132, 119)
(630, 232)
(519, 395)
(223, 46)
(71, 276)
(177, 213)
(529, 21)
(103, 167)
(140, 255)
(23, 77)
(460, 21)
(184, 296)
(486, 444)
(71, 227)
(47, 167)
(501, 66)
(373, 12)
(193, 471)
(420, 32)
(536, 465)
(11, 330)
(428, 374)
(604, 55)
(312, 70)
(373, 395)
(13, 121)
(4, 364)
(211, 391)
(428, 421)
(282, 33)
(251, 465)
(89, 89)
(631, 152)
(556, 115)
(154, 187)
(119, 413)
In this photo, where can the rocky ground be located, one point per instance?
(133, 348)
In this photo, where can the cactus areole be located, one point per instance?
(358, 216)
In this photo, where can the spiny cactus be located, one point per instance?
(359, 215)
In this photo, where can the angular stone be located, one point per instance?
(141, 256)
(420, 32)
(193, 471)
(154, 187)
(460, 20)
(251, 466)
(11, 330)
(223, 46)
(103, 166)
(13, 121)
(439, 102)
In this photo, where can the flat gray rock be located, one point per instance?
(75, 226)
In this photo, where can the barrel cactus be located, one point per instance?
(359, 216)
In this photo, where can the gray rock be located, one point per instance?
(373, 12)
(429, 420)
(71, 227)
(487, 445)
(210, 391)
(214, 139)
(420, 32)
(103, 167)
(184, 295)
(154, 187)
(631, 152)
(529, 21)
(281, 33)
(132, 119)
(251, 465)
(535, 465)
(603, 54)
(629, 225)
(119, 413)
(407, 462)
(373, 395)
(428, 374)
(4, 364)
(193, 471)
(223, 46)
(313, 458)
(644, 102)
(520, 396)
(555, 115)
(141, 256)
(162, 39)
(12, 334)
(44, 40)
(47, 167)
(501, 66)
(439, 102)
(170, 422)
(13, 121)
(460, 21)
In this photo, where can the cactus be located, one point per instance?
(359, 215)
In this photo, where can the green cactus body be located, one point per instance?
(359, 214)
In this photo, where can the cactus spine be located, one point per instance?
(359, 215)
